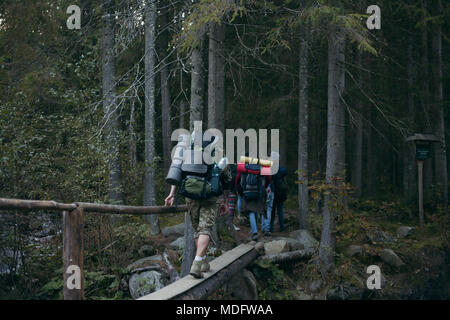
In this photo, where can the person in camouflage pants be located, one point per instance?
(203, 215)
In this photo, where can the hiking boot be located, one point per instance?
(267, 234)
(205, 266)
(255, 237)
(196, 269)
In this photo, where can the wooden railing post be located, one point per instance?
(73, 285)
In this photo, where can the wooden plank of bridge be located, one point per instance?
(182, 287)
(73, 268)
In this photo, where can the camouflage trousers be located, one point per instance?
(203, 215)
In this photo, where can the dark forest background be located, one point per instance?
(86, 115)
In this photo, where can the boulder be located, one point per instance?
(301, 295)
(146, 250)
(259, 247)
(292, 243)
(304, 237)
(405, 231)
(144, 283)
(146, 262)
(243, 286)
(315, 285)
(295, 245)
(383, 280)
(177, 230)
(177, 244)
(391, 258)
(212, 251)
(275, 247)
(346, 291)
(338, 293)
(380, 236)
(354, 250)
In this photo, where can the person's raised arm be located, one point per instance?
(168, 202)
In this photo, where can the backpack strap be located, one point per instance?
(236, 180)
(204, 188)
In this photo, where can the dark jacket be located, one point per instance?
(257, 206)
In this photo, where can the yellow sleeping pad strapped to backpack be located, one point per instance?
(262, 162)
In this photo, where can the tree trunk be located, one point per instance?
(216, 77)
(409, 172)
(150, 165)
(112, 127)
(283, 113)
(197, 83)
(303, 109)
(132, 134)
(335, 141)
(165, 93)
(371, 172)
(440, 156)
(358, 137)
(425, 74)
(181, 123)
(425, 98)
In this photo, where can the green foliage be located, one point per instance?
(29, 261)
(203, 13)
(53, 289)
(337, 191)
(272, 282)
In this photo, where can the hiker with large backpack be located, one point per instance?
(251, 186)
(280, 187)
(201, 185)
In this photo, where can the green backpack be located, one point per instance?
(200, 181)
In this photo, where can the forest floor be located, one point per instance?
(370, 227)
(363, 233)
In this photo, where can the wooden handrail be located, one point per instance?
(35, 205)
(73, 225)
(120, 209)
(19, 204)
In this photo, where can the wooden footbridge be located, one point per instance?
(223, 268)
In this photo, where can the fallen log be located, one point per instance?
(206, 288)
(289, 256)
(222, 270)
